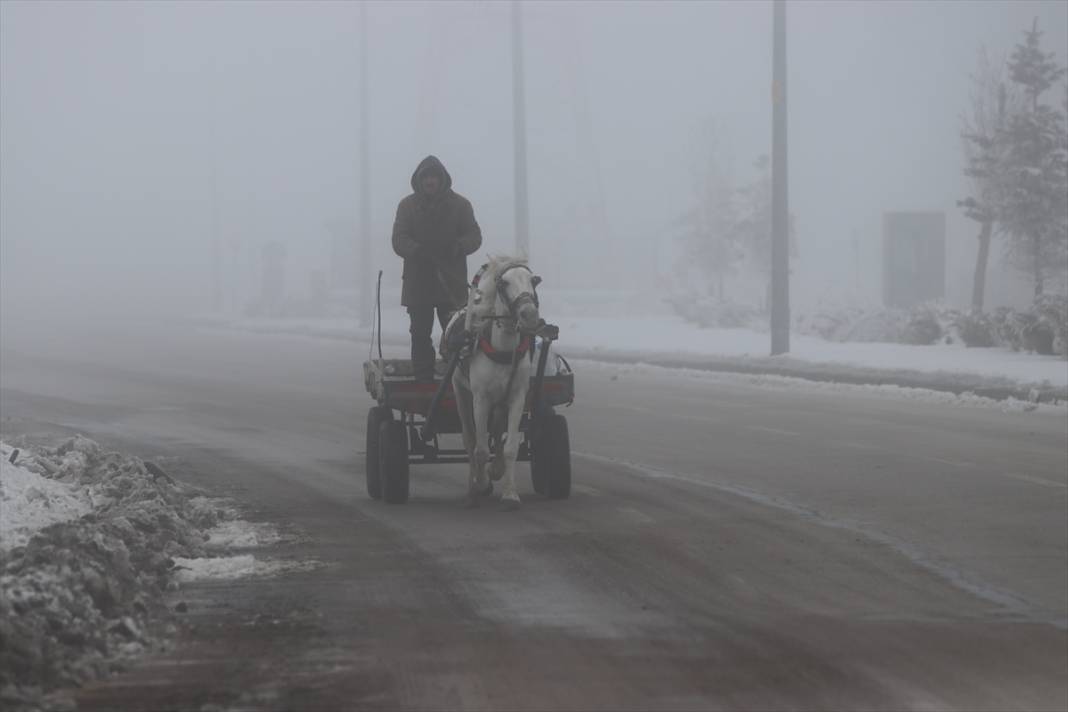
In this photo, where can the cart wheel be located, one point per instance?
(393, 461)
(375, 417)
(538, 472)
(550, 463)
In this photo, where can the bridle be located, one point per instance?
(515, 304)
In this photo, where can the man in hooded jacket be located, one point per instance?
(435, 230)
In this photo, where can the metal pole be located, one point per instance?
(780, 220)
(213, 177)
(522, 216)
(216, 242)
(365, 180)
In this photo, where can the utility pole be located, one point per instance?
(365, 270)
(780, 212)
(216, 241)
(522, 216)
(213, 172)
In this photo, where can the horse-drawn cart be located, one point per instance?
(404, 428)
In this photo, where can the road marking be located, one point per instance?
(953, 463)
(1036, 480)
(636, 514)
(856, 446)
(777, 431)
(586, 489)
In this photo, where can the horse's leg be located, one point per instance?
(464, 402)
(481, 407)
(516, 401)
(500, 433)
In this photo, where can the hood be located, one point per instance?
(431, 162)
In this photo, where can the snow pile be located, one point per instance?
(30, 502)
(92, 541)
(77, 594)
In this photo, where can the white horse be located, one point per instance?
(491, 384)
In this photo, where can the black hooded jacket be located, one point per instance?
(435, 234)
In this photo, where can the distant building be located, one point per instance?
(914, 258)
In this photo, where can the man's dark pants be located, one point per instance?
(422, 324)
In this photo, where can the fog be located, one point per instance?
(130, 133)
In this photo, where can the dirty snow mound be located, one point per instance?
(78, 594)
(30, 502)
(91, 541)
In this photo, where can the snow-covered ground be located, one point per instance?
(651, 333)
(767, 381)
(670, 335)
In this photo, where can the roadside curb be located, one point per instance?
(946, 382)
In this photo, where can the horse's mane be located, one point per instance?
(497, 263)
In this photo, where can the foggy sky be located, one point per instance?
(117, 119)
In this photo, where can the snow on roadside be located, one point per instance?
(92, 542)
(30, 502)
(241, 534)
(670, 337)
(232, 567)
(922, 395)
(238, 535)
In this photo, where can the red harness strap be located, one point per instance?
(504, 356)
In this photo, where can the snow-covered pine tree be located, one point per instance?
(992, 102)
(1034, 198)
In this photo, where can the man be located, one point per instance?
(434, 232)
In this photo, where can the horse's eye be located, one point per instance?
(535, 280)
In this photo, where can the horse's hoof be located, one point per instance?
(510, 504)
(487, 490)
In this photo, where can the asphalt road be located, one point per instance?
(726, 546)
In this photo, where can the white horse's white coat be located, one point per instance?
(486, 390)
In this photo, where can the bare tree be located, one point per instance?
(710, 224)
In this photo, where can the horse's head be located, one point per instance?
(516, 289)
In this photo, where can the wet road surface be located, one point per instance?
(726, 546)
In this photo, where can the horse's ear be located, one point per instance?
(535, 280)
